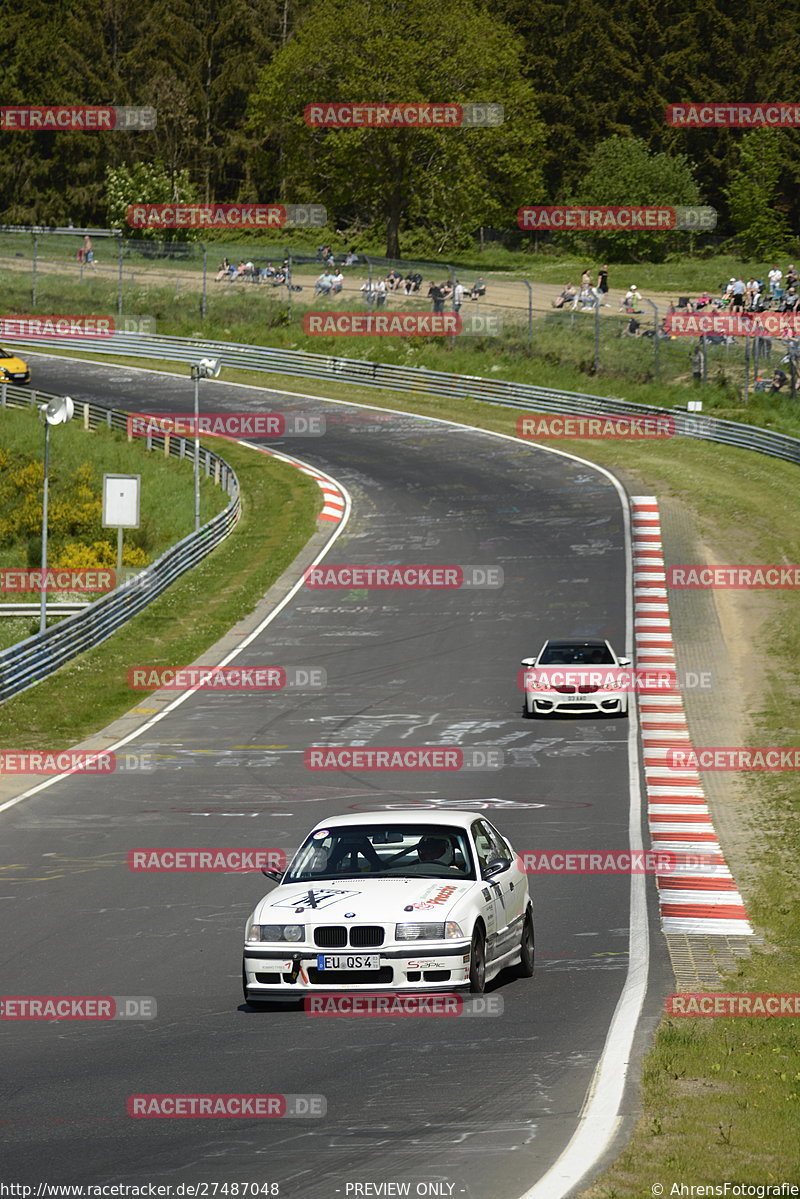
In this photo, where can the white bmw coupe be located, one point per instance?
(413, 900)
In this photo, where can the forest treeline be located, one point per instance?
(584, 85)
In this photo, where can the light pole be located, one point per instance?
(56, 412)
(206, 368)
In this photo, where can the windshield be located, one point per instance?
(383, 851)
(589, 653)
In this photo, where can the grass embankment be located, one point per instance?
(279, 507)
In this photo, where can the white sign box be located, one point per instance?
(121, 501)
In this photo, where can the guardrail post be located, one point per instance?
(119, 276)
(86, 417)
(3, 387)
(33, 278)
(656, 332)
(204, 294)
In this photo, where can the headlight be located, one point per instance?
(427, 932)
(276, 932)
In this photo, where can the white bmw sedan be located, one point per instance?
(574, 674)
(404, 901)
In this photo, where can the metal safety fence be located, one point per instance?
(438, 383)
(31, 660)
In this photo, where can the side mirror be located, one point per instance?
(496, 866)
(275, 875)
(624, 661)
(528, 662)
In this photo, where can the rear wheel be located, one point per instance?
(477, 963)
(526, 947)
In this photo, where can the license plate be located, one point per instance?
(348, 961)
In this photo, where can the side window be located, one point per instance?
(503, 847)
(489, 837)
(483, 843)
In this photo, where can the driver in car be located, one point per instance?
(433, 849)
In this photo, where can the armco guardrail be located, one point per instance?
(32, 660)
(418, 379)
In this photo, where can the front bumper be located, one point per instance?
(601, 703)
(283, 973)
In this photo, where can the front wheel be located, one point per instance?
(526, 948)
(477, 963)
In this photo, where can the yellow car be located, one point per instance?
(12, 368)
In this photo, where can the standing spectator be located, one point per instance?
(791, 276)
(369, 296)
(436, 297)
(458, 296)
(602, 284)
(737, 293)
(774, 277)
(88, 252)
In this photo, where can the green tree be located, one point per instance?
(446, 182)
(762, 229)
(147, 183)
(623, 171)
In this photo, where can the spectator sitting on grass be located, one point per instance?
(224, 269)
(323, 285)
(567, 294)
(478, 289)
(393, 280)
(351, 258)
(337, 282)
(631, 299)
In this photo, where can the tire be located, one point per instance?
(477, 962)
(526, 945)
